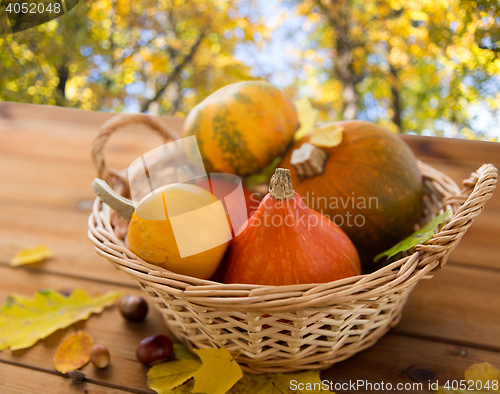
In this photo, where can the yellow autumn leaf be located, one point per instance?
(482, 378)
(327, 136)
(164, 377)
(307, 117)
(73, 352)
(23, 321)
(486, 373)
(218, 373)
(182, 353)
(31, 255)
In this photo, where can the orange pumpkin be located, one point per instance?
(287, 243)
(370, 186)
(242, 127)
(151, 233)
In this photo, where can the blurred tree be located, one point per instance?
(161, 56)
(409, 65)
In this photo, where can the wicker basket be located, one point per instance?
(288, 328)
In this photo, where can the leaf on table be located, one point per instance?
(487, 374)
(327, 135)
(31, 255)
(182, 353)
(164, 377)
(280, 383)
(218, 373)
(73, 352)
(186, 388)
(418, 237)
(307, 117)
(484, 372)
(23, 321)
(263, 176)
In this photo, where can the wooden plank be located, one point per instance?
(65, 232)
(9, 110)
(70, 142)
(397, 359)
(45, 163)
(479, 246)
(108, 328)
(19, 380)
(454, 150)
(459, 304)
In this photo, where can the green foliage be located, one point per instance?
(411, 66)
(108, 54)
(418, 237)
(415, 65)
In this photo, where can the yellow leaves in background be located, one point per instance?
(327, 135)
(23, 321)
(166, 376)
(218, 373)
(307, 117)
(31, 255)
(73, 352)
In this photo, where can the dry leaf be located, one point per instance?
(486, 373)
(24, 321)
(73, 352)
(307, 117)
(31, 255)
(218, 373)
(327, 136)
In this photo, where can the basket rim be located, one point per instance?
(464, 204)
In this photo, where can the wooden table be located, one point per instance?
(449, 323)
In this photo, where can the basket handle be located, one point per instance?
(478, 188)
(116, 180)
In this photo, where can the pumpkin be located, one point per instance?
(287, 243)
(369, 184)
(151, 230)
(242, 127)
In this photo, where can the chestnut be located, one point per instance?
(99, 356)
(154, 349)
(133, 308)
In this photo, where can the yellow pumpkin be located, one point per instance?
(199, 224)
(242, 127)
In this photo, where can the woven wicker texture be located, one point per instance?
(288, 328)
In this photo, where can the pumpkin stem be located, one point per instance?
(121, 205)
(280, 185)
(308, 160)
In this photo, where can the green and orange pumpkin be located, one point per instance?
(242, 127)
(369, 185)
